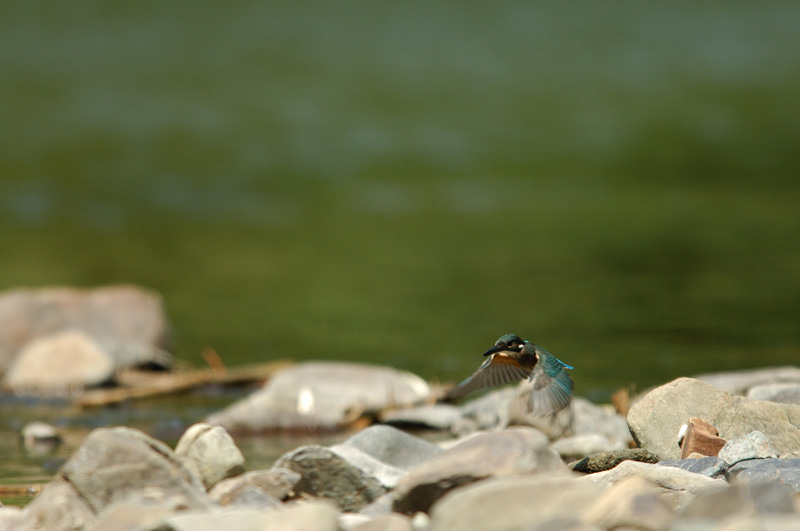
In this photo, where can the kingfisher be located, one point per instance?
(512, 359)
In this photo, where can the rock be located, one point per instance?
(583, 445)
(316, 515)
(385, 473)
(785, 393)
(393, 446)
(322, 396)
(56, 363)
(713, 467)
(701, 438)
(510, 503)
(387, 522)
(144, 510)
(496, 454)
(786, 471)
(656, 418)
(674, 483)
(634, 503)
(486, 412)
(754, 445)
(738, 382)
(608, 460)
(40, 437)
(114, 315)
(430, 416)
(11, 518)
(58, 507)
(600, 420)
(113, 464)
(325, 474)
(209, 452)
(740, 501)
(276, 482)
(554, 426)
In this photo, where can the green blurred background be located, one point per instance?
(402, 183)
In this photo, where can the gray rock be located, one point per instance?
(740, 500)
(143, 510)
(210, 452)
(314, 515)
(325, 474)
(634, 503)
(785, 393)
(121, 315)
(786, 471)
(431, 416)
(11, 518)
(738, 382)
(579, 446)
(113, 464)
(58, 507)
(486, 412)
(591, 419)
(656, 419)
(54, 364)
(322, 396)
(608, 460)
(393, 446)
(554, 426)
(713, 467)
(509, 503)
(387, 474)
(675, 484)
(754, 445)
(40, 437)
(276, 482)
(387, 522)
(496, 454)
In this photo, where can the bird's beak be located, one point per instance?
(496, 348)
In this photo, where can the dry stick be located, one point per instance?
(160, 384)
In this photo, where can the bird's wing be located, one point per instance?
(496, 370)
(552, 385)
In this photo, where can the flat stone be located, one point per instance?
(317, 515)
(123, 315)
(785, 393)
(701, 438)
(392, 446)
(508, 452)
(738, 382)
(754, 445)
(113, 464)
(387, 522)
(210, 452)
(633, 502)
(475, 507)
(323, 473)
(740, 500)
(322, 396)
(40, 437)
(276, 482)
(674, 483)
(656, 418)
(579, 446)
(52, 364)
(713, 467)
(57, 508)
(785, 471)
(608, 460)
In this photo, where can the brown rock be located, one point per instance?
(701, 438)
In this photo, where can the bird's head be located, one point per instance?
(506, 343)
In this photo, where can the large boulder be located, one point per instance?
(656, 419)
(508, 452)
(127, 321)
(114, 464)
(322, 396)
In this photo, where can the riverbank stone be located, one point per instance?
(608, 460)
(210, 452)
